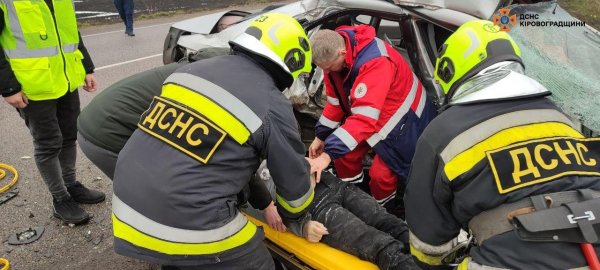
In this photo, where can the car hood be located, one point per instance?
(483, 9)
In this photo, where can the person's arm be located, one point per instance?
(433, 229)
(285, 151)
(10, 88)
(88, 64)
(9, 85)
(367, 96)
(90, 83)
(332, 112)
(260, 198)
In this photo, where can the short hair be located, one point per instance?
(325, 45)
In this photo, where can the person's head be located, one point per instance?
(475, 46)
(329, 50)
(280, 39)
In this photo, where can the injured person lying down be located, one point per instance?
(353, 221)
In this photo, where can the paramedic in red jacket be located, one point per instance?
(375, 101)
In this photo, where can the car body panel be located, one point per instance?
(205, 24)
(416, 28)
(195, 42)
(480, 8)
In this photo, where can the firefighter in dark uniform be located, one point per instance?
(198, 145)
(501, 161)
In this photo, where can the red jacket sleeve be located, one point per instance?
(332, 113)
(367, 97)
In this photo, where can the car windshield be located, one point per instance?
(564, 59)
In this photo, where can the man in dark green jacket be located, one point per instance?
(107, 122)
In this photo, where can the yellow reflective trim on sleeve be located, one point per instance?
(127, 233)
(464, 161)
(425, 258)
(283, 203)
(464, 265)
(211, 110)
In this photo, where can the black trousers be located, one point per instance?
(53, 126)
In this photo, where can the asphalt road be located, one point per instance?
(116, 56)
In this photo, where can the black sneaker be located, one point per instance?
(81, 194)
(130, 33)
(69, 211)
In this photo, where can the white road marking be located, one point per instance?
(127, 62)
(121, 31)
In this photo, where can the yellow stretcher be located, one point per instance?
(298, 253)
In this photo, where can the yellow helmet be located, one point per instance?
(281, 39)
(473, 47)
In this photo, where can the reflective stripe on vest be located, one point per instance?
(133, 227)
(416, 94)
(214, 102)
(42, 52)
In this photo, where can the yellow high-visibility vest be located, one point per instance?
(41, 47)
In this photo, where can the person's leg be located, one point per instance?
(119, 6)
(383, 181)
(350, 234)
(41, 119)
(104, 159)
(349, 168)
(67, 111)
(372, 213)
(128, 7)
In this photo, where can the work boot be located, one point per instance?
(81, 194)
(69, 211)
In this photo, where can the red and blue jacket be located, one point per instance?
(378, 99)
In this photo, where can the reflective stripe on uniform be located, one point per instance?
(333, 101)
(367, 111)
(213, 111)
(214, 102)
(354, 179)
(69, 48)
(133, 227)
(34, 53)
(346, 138)
(427, 253)
(395, 119)
(421, 106)
(323, 120)
(381, 47)
(298, 205)
(425, 258)
(464, 161)
(21, 50)
(469, 147)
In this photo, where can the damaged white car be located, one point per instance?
(561, 58)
